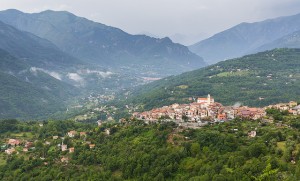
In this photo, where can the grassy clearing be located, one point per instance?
(22, 135)
(282, 146)
(227, 74)
(183, 86)
(2, 160)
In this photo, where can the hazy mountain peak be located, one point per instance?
(245, 38)
(13, 11)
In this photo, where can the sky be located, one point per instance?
(184, 21)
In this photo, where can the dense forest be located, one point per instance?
(255, 80)
(133, 150)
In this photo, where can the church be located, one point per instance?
(207, 100)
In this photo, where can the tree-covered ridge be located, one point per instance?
(135, 151)
(271, 75)
(27, 94)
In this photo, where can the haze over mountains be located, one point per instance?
(33, 50)
(247, 38)
(27, 92)
(53, 56)
(103, 45)
(29, 75)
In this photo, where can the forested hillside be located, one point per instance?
(256, 80)
(26, 93)
(161, 151)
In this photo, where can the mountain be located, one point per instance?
(33, 50)
(255, 80)
(28, 93)
(245, 38)
(103, 45)
(33, 75)
(36, 72)
(289, 41)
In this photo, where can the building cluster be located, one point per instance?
(10, 146)
(17, 146)
(291, 107)
(206, 109)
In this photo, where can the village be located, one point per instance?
(205, 110)
(195, 115)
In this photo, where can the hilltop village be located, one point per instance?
(206, 110)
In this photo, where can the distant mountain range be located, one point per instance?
(48, 58)
(256, 80)
(34, 50)
(289, 41)
(247, 38)
(103, 45)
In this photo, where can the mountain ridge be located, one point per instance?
(24, 92)
(272, 75)
(99, 44)
(245, 38)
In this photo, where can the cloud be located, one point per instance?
(77, 78)
(53, 74)
(100, 73)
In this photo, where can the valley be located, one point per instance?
(84, 95)
(72, 65)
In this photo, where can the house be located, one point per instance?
(229, 111)
(122, 120)
(222, 117)
(55, 137)
(107, 131)
(297, 109)
(64, 159)
(14, 142)
(28, 144)
(252, 134)
(71, 134)
(64, 147)
(71, 150)
(47, 143)
(250, 113)
(292, 104)
(25, 149)
(294, 112)
(10, 151)
(92, 146)
(282, 106)
(82, 134)
(99, 122)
